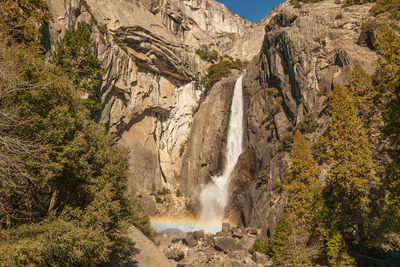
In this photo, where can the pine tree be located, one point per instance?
(351, 175)
(364, 94)
(75, 56)
(387, 83)
(294, 241)
(302, 187)
(62, 178)
(19, 20)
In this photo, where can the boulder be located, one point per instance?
(227, 244)
(197, 256)
(237, 232)
(198, 235)
(175, 254)
(147, 254)
(189, 240)
(247, 241)
(261, 258)
(209, 240)
(226, 228)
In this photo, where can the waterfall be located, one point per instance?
(214, 196)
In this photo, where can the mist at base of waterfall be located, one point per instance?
(214, 196)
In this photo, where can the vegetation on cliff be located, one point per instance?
(75, 56)
(356, 217)
(221, 66)
(62, 178)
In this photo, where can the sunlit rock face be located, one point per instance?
(153, 96)
(153, 84)
(209, 15)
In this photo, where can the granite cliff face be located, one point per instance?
(305, 53)
(153, 85)
(153, 96)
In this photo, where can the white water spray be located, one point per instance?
(214, 197)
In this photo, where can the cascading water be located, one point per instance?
(214, 196)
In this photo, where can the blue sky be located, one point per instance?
(253, 10)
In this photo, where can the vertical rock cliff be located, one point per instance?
(153, 96)
(153, 84)
(305, 52)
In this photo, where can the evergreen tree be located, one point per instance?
(75, 56)
(351, 175)
(62, 178)
(302, 188)
(19, 20)
(387, 83)
(295, 240)
(364, 94)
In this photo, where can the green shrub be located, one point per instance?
(367, 33)
(339, 16)
(297, 5)
(286, 141)
(308, 124)
(219, 70)
(183, 146)
(260, 246)
(188, 205)
(159, 200)
(391, 7)
(263, 176)
(277, 186)
(253, 231)
(271, 91)
(178, 193)
(210, 56)
(102, 28)
(164, 191)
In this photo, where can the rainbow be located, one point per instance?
(185, 224)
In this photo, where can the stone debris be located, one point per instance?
(229, 247)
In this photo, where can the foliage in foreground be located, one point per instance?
(62, 178)
(295, 241)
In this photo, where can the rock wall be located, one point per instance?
(153, 98)
(205, 154)
(153, 84)
(305, 53)
(209, 15)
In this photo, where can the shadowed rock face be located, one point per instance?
(205, 154)
(305, 53)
